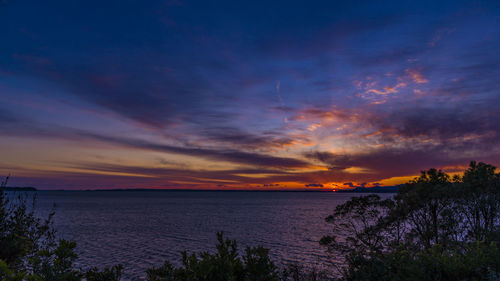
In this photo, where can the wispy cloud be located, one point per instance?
(326, 95)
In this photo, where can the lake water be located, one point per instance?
(140, 229)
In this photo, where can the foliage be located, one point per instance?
(29, 250)
(22, 234)
(113, 273)
(8, 274)
(224, 264)
(56, 264)
(227, 265)
(296, 272)
(435, 228)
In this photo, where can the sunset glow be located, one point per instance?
(191, 95)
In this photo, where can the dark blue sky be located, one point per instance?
(230, 94)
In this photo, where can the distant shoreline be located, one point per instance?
(355, 190)
(179, 190)
(16, 188)
(375, 189)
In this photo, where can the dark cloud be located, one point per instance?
(169, 177)
(133, 88)
(270, 185)
(257, 84)
(314, 185)
(386, 163)
(453, 128)
(7, 117)
(230, 155)
(231, 135)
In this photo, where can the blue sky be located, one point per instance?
(257, 94)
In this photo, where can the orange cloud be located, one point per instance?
(387, 89)
(417, 76)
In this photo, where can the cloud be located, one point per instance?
(394, 162)
(240, 138)
(371, 92)
(362, 185)
(314, 185)
(29, 128)
(101, 174)
(234, 156)
(417, 76)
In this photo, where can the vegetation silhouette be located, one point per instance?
(29, 251)
(436, 227)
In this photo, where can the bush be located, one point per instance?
(113, 273)
(435, 228)
(224, 265)
(29, 250)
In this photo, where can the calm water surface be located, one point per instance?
(140, 229)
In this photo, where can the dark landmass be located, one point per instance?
(17, 188)
(375, 189)
(190, 190)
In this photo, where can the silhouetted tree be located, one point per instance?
(434, 228)
(224, 265)
(480, 201)
(28, 248)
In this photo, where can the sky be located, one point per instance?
(245, 94)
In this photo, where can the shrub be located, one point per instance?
(434, 228)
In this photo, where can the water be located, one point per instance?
(141, 229)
